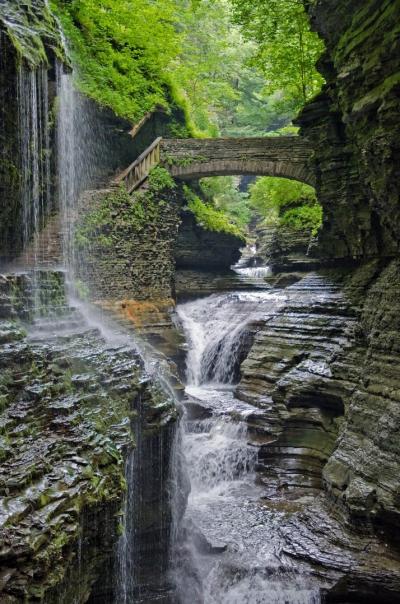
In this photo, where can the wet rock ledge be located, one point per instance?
(323, 371)
(69, 404)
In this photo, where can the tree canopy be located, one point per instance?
(287, 50)
(132, 55)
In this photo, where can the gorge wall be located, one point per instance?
(325, 371)
(353, 127)
(76, 406)
(199, 248)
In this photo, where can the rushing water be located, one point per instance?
(225, 549)
(231, 538)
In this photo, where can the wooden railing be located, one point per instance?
(137, 172)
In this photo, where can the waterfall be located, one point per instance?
(67, 162)
(217, 328)
(126, 564)
(257, 272)
(229, 539)
(34, 132)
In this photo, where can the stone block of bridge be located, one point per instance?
(284, 156)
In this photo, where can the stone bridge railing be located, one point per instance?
(191, 159)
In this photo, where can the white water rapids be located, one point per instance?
(231, 538)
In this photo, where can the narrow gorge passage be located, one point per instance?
(232, 538)
(199, 302)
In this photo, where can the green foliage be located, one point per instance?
(223, 193)
(304, 217)
(209, 217)
(123, 50)
(107, 221)
(286, 202)
(210, 61)
(160, 179)
(269, 193)
(135, 55)
(286, 51)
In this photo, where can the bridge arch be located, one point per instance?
(191, 159)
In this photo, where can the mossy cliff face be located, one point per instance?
(323, 371)
(353, 126)
(69, 406)
(32, 30)
(125, 242)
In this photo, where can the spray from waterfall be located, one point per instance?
(33, 113)
(68, 176)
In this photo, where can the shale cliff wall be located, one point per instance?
(127, 243)
(324, 370)
(353, 126)
(197, 247)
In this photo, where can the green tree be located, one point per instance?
(223, 193)
(282, 201)
(287, 50)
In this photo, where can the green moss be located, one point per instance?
(210, 218)
(183, 162)
(123, 57)
(160, 179)
(105, 224)
(379, 92)
(32, 30)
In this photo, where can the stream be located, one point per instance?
(230, 536)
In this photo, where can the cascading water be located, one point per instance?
(78, 143)
(33, 112)
(68, 177)
(217, 328)
(35, 186)
(79, 136)
(229, 536)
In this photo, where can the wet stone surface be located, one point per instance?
(68, 400)
(262, 523)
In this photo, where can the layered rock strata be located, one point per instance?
(129, 254)
(199, 248)
(323, 372)
(287, 375)
(284, 248)
(353, 127)
(70, 402)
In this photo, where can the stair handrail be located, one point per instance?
(139, 170)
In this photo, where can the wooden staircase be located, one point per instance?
(139, 170)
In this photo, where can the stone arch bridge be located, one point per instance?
(191, 159)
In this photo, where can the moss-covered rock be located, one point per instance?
(126, 243)
(30, 42)
(70, 402)
(33, 31)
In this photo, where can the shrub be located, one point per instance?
(303, 217)
(210, 218)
